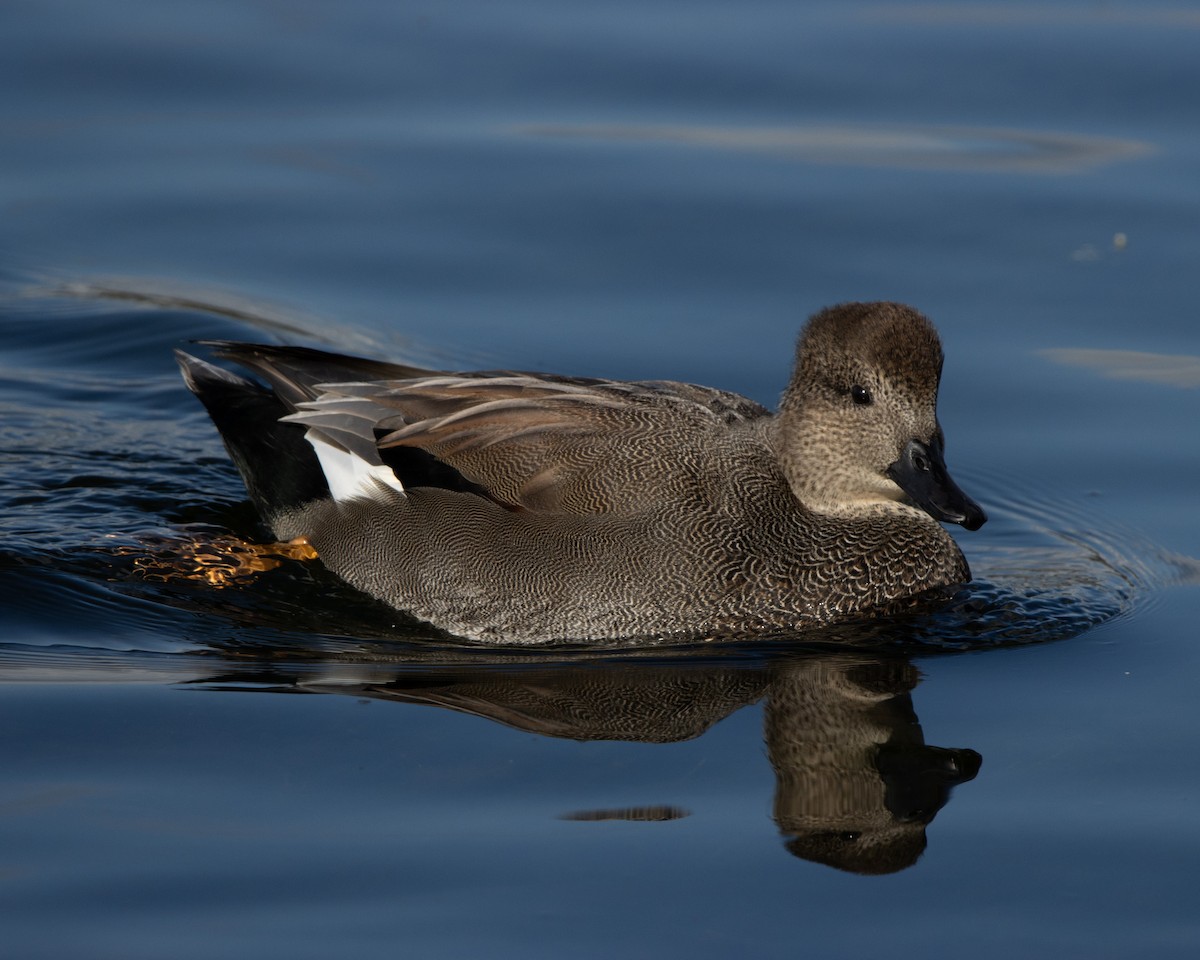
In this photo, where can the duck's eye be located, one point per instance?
(860, 395)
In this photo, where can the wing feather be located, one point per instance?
(528, 441)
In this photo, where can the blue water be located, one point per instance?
(279, 767)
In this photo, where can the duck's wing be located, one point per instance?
(527, 441)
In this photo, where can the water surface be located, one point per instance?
(278, 766)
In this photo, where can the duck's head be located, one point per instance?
(858, 422)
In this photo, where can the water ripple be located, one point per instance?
(979, 149)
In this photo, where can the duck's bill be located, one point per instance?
(921, 473)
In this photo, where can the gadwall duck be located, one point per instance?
(526, 508)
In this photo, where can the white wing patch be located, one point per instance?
(350, 477)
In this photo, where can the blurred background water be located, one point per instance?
(625, 190)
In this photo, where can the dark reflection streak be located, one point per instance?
(636, 814)
(856, 784)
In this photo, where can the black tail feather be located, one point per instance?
(293, 372)
(277, 464)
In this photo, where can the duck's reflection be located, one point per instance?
(856, 785)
